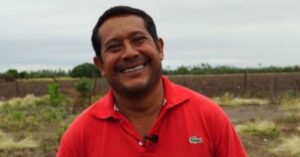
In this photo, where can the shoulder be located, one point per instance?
(202, 110)
(197, 100)
(80, 130)
(93, 114)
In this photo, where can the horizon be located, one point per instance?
(164, 68)
(52, 34)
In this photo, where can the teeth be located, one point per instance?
(134, 69)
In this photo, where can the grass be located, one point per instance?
(25, 101)
(21, 119)
(230, 100)
(48, 79)
(288, 147)
(30, 112)
(259, 128)
(298, 128)
(291, 102)
(8, 143)
(24, 120)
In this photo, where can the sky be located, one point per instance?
(43, 34)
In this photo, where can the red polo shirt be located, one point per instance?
(189, 125)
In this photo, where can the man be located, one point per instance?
(144, 114)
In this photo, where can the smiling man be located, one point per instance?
(144, 113)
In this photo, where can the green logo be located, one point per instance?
(195, 140)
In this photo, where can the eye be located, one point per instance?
(113, 47)
(139, 39)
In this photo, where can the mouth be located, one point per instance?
(133, 68)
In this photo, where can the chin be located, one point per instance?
(135, 91)
(134, 88)
(137, 85)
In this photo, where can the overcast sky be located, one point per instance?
(40, 34)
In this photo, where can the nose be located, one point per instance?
(129, 51)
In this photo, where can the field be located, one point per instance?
(265, 109)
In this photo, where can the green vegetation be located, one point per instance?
(84, 87)
(85, 70)
(55, 95)
(33, 123)
(82, 70)
(13, 73)
(90, 70)
(22, 115)
(33, 126)
(206, 68)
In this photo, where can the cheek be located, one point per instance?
(109, 61)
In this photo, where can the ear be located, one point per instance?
(160, 46)
(99, 64)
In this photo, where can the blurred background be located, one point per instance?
(242, 54)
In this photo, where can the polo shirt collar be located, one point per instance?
(174, 95)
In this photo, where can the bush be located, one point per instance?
(54, 94)
(85, 70)
(83, 86)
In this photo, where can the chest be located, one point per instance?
(175, 136)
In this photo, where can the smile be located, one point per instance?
(133, 69)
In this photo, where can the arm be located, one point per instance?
(72, 141)
(226, 141)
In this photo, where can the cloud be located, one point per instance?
(241, 33)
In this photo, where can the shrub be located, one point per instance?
(84, 87)
(85, 70)
(55, 95)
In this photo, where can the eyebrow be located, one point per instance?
(114, 39)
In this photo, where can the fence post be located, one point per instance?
(17, 87)
(297, 85)
(273, 88)
(245, 82)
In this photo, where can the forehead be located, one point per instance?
(121, 25)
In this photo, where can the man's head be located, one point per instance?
(129, 53)
(120, 11)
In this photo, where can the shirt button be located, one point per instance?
(140, 143)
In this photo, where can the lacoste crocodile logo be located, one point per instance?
(195, 140)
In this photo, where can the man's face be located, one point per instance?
(131, 59)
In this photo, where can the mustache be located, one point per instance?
(130, 63)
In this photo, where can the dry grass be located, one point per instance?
(8, 143)
(230, 100)
(259, 127)
(298, 128)
(27, 100)
(288, 147)
(291, 103)
(47, 79)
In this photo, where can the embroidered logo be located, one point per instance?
(195, 140)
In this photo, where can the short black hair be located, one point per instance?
(118, 11)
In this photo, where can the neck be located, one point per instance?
(143, 106)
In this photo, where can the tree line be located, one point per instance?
(206, 68)
(89, 70)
